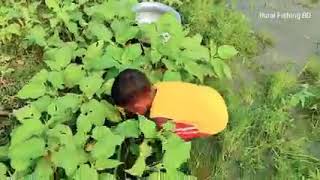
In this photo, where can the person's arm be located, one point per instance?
(185, 131)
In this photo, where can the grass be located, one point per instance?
(267, 137)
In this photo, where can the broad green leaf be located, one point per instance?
(68, 158)
(59, 58)
(128, 128)
(4, 152)
(131, 52)
(90, 85)
(175, 148)
(56, 79)
(124, 31)
(27, 112)
(70, 101)
(94, 111)
(32, 90)
(42, 103)
(22, 154)
(106, 88)
(73, 75)
(80, 139)
(227, 52)
(3, 171)
(86, 172)
(40, 77)
(155, 56)
(37, 36)
(84, 124)
(43, 170)
(106, 176)
(54, 4)
(194, 69)
(93, 51)
(194, 49)
(60, 134)
(147, 127)
(100, 31)
(171, 76)
(221, 69)
(104, 62)
(106, 142)
(115, 51)
(140, 165)
(31, 127)
(113, 113)
(103, 163)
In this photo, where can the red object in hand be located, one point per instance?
(185, 131)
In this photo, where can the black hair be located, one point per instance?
(128, 85)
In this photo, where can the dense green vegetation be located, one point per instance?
(57, 64)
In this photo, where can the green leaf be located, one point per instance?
(220, 68)
(52, 4)
(70, 101)
(84, 124)
(94, 111)
(131, 52)
(128, 128)
(22, 154)
(90, 85)
(86, 172)
(43, 170)
(106, 142)
(115, 51)
(57, 59)
(113, 113)
(56, 79)
(140, 165)
(194, 69)
(171, 76)
(106, 176)
(93, 51)
(31, 127)
(227, 52)
(60, 134)
(105, 62)
(124, 31)
(155, 56)
(68, 158)
(100, 31)
(32, 90)
(40, 77)
(102, 164)
(147, 127)
(37, 35)
(194, 49)
(106, 88)
(175, 148)
(73, 75)
(27, 112)
(42, 103)
(3, 171)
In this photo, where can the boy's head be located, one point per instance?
(133, 91)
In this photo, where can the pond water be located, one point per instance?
(294, 28)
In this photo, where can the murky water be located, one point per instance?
(295, 30)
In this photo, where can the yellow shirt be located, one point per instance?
(182, 102)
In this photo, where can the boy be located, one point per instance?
(197, 111)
